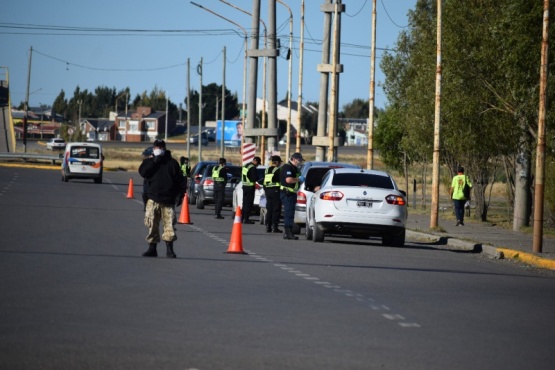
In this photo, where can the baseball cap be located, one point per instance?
(257, 159)
(276, 158)
(222, 161)
(297, 156)
(159, 144)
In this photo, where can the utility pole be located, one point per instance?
(223, 109)
(332, 126)
(166, 128)
(437, 125)
(27, 101)
(300, 94)
(199, 71)
(253, 53)
(370, 125)
(540, 156)
(188, 108)
(322, 140)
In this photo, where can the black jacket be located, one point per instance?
(164, 178)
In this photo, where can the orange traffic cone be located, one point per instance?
(130, 190)
(184, 216)
(236, 242)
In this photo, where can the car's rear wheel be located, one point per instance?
(308, 232)
(317, 233)
(396, 240)
(200, 202)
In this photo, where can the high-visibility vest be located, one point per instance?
(244, 177)
(268, 177)
(186, 169)
(216, 174)
(295, 186)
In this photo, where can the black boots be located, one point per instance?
(276, 230)
(247, 221)
(289, 234)
(219, 217)
(170, 253)
(151, 252)
(268, 228)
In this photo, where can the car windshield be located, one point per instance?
(362, 179)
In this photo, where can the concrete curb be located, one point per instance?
(446, 242)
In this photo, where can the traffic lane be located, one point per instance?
(203, 308)
(207, 300)
(443, 292)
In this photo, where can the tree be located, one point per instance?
(358, 108)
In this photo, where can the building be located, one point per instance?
(143, 124)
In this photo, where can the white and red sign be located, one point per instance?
(248, 151)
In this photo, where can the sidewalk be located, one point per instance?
(483, 237)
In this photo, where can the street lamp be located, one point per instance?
(244, 63)
(287, 142)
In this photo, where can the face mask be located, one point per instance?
(158, 152)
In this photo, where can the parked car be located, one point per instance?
(83, 161)
(204, 139)
(211, 134)
(313, 172)
(205, 189)
(360, 203)
(196, 177)
(55, 143)
(259, 196)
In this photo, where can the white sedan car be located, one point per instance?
(55, 144)
(360, 203)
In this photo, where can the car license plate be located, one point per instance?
(363, 203)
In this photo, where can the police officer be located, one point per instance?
(186, 169)
(272, 192)
(249, 177)
(290, 178)
(219, 175)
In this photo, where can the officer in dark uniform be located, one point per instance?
(219, 175)
(290, 179)
(272, 192)
(249, 177)
(186, 170)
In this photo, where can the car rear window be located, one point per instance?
(84, 152)
(314, 177)
(362, 179)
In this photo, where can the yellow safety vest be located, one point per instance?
(296, 185)
(268, 177)
(245, 178)
(216, 174)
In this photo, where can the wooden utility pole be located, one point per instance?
(540, 156)
(300, 95)
(435, 173)
(370, 124)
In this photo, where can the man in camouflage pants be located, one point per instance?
(165, 186)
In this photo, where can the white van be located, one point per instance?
(83, 161)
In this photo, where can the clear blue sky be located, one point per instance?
(68, 54)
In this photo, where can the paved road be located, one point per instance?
(76, 293)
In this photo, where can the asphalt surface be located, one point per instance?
(483, 237)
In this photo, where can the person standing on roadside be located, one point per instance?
(186, 169)
(290, 179)
(219, 175)
(165, 184)
(249, 177)
(272, 192)
(457, 194)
